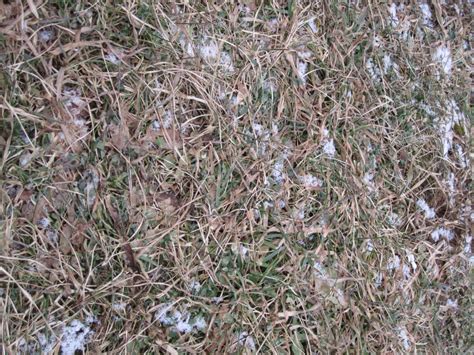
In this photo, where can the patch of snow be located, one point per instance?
(442, 57)
(119, 306)
(76, 335)
(393, 263)
(403, 334)
(167, 121)
(369, 246)
(373, 70)
(246, 340)
(45, 35)
(389, 64)
(452, 304)
(463, 160)
(52, 236)
(328, 145)
(445, 125)
(378, 279)
(451, 183)
(319, 270)
(442, 232)
(73, 102)
(376, 41)
(426, 15)
(411, 260)
(302, 68)
(112, 58)
(182, 322)
(44, 222)
(429, 212)
(368, 180)
(217, 300)
(298, 214)
(468, 243)
(25, 159)
(200, 323)
(186, 46)
(273, 24)
(269, 85)
(278, 172)
(209, 51)
(312, 25)
(392, 10)
(310, 181)
(194, 286)
(394, 219)
(281, 204)
(427, 108)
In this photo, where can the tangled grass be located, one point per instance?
(262, 176)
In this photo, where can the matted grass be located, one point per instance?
(268, 176)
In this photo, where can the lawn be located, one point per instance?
(261, 176)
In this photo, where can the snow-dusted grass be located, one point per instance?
(213, 177)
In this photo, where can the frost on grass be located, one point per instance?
(442, 57)
(427, 210)
(181, 322)
(442, 232)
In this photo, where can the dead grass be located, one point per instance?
(167, 185)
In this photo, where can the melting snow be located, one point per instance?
(429, 212)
